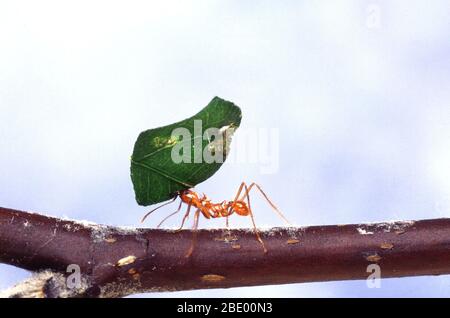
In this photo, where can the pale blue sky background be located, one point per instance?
(363, 111)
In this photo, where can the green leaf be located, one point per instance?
(157, 177)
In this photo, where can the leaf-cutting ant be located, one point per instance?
(203, 205)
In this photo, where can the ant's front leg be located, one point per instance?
(185, 216)
(178, 210)
(194, 233)
(146, 215)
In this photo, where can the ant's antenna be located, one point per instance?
(146, 215)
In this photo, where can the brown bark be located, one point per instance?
(115, 262)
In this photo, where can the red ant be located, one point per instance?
(217, 210)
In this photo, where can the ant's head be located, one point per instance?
(188, 194)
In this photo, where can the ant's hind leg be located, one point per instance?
(236, 198)
(258, 236)
(268, 200)
(239, 191)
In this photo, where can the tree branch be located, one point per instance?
(116, 262)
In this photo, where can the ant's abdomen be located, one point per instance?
(241, 208)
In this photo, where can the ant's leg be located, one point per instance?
(238, 194)
(258, 237)
(270, 202)
(186, 215)
(146, 215)
(194, 233)
(178, 210)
